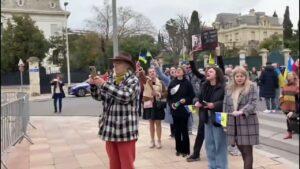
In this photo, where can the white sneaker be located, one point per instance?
(158, 146)
(267, 111)
(273, 111)
(152, 144)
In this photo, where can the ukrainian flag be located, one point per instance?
(281, 80)
(142, 59)
(192, 109)
(222, 118)
(211, 60)
(149, 54)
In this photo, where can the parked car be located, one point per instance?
(80, 89)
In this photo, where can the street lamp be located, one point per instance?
(21, 68)
(67, 45)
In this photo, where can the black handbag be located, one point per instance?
(161, 105)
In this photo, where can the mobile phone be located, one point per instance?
(204, 103)
(93, 71)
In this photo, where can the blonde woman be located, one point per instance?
(240, 102)
(154, 93)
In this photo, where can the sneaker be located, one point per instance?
(234, 151)
(158, 146)
(184, 155)
(273, 111)
(192, 158)
(267, 111)
(152, 144)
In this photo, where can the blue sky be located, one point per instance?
(159, 11)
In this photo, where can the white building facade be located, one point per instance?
(246, 31)
(49, 17)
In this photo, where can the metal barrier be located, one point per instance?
(14, 120)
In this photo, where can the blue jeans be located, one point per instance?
(216, 147)
(270, 103)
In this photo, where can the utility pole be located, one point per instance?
(115, 29)
(67, 45)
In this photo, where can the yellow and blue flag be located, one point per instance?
(192, 109)
(142, 58)
(222, 118)
(281, 80)
(149, 54)
(211, 60)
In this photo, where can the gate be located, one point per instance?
(44, 81)
(276, 57)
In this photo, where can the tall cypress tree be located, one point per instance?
(193, 28)
(287, 25)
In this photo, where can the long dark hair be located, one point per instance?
(219, 74)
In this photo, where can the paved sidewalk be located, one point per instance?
(72, 143)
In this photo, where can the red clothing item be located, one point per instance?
(121, 154)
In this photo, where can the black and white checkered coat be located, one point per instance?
(246, 125)
(119, 120)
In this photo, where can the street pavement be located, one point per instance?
(65, 142)
(272, 130)
(272, 125)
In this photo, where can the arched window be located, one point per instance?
(20, 2)
(52, 4)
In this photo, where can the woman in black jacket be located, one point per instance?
(180, 93)
(211, 101)
(58, 92)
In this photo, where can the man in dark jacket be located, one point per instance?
(269, 84)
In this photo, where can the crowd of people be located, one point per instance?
(159, 95)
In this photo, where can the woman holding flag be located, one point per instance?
(180, 93)
(240, 103)
(210, 102)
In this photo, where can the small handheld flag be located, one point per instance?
(222, 118)
(149, 54)
(192, 109)
(211, 60)
(142, 59)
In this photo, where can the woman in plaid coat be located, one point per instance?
(240, 102)
(119, 120)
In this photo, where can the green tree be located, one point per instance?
(21, 40)
(194, 28)
(287, 25)
(58, 46)
(272, 43)
(85, 50)
(139, 44)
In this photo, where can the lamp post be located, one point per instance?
(115, 29)
(67, 45)
(21, 68)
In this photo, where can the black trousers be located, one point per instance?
(199, 139)
(247, 154)
(172, 130)
(59, 99)
(288, 125)
(182, 140)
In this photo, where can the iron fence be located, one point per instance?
(14, 120)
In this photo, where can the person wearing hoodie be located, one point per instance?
(180, 93)
(268, 85)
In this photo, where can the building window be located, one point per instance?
(20, 2)
(236, 37)
(54, 29)
(52, 4)
(252, 35)
(226, 38)
(265, 34)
